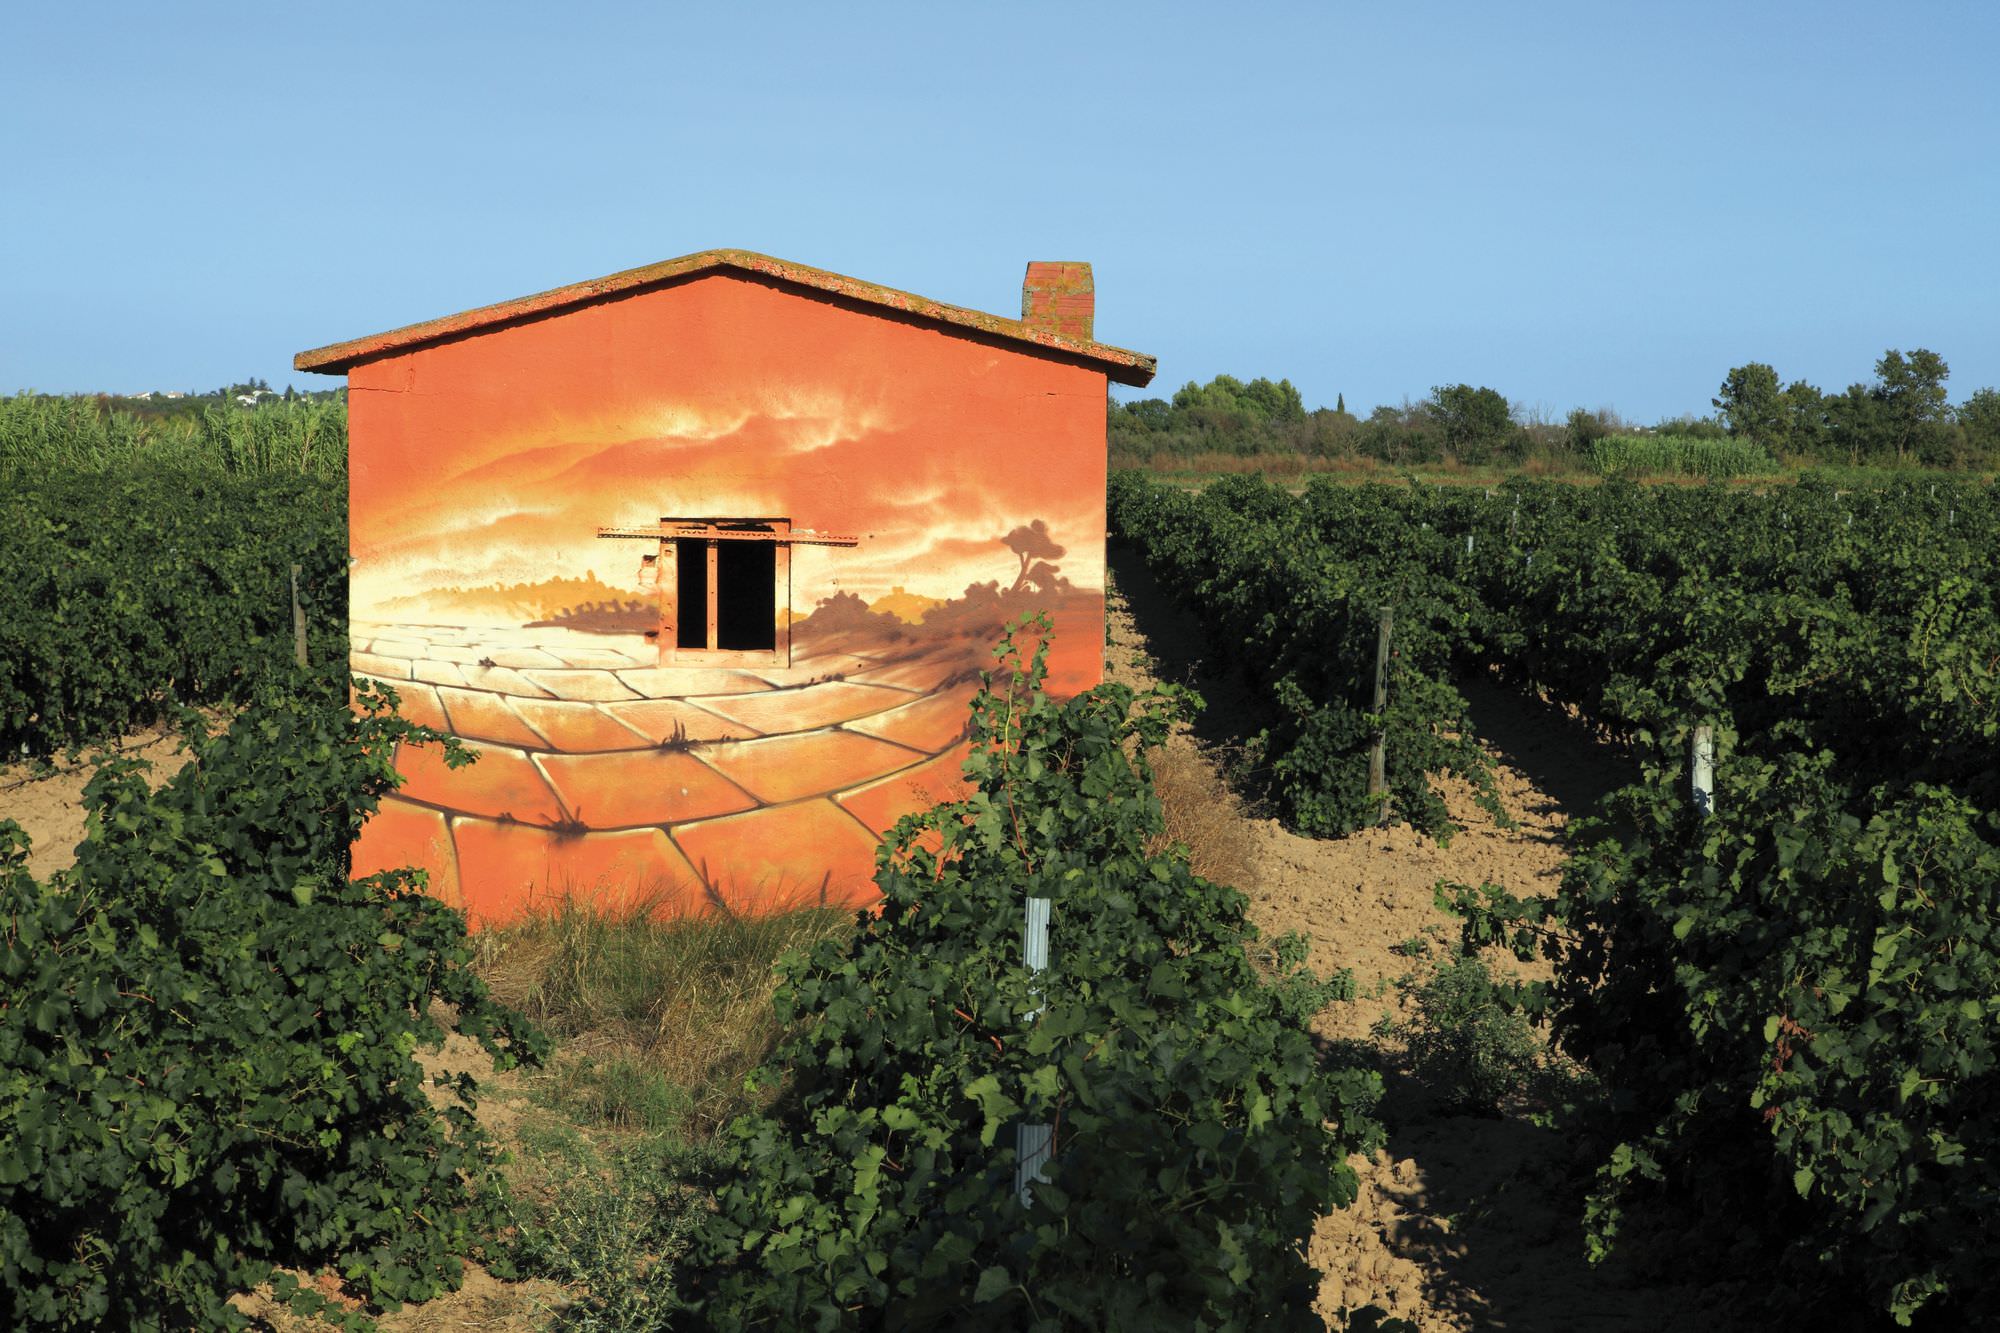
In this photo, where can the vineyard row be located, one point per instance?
(1792, 998)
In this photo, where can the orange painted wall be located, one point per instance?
(480, 470)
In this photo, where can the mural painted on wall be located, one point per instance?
(705, 577)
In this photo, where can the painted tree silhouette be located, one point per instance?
(1031, 541)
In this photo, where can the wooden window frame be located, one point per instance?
(714, 531)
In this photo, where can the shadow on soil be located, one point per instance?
(1179, 654)
(1571, 762)
(1489, 1207)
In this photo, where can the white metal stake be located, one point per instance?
(1701, 769)
(1033, 1144)
(1468, 543)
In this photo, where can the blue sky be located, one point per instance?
(1590, 204)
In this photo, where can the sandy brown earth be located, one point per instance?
(482, 1302)
(47, 800)
(1463, 1222)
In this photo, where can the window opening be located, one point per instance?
(746, 604)
(691, 592)
(728, 596)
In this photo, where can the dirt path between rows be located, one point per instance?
(1461, 1222)
(46, 800)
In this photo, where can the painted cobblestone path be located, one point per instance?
(601, 775)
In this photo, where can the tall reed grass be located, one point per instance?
(1679, 456)
(44, 432)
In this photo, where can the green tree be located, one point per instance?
(1979, 421)
(1585, 428)
(1804, 407)
(1752, 406)
(1915, 412)
(1473, 422)
(1855, 425)
(1276, 400)
(1145, 414)
(1264, 400)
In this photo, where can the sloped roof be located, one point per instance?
(1125, 367)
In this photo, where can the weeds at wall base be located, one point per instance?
(661, 1015)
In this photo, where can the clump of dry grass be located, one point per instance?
(1202, 815)
(659, 1010)
(1543, 463)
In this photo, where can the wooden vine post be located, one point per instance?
(1378, 753)
(298, 621)
(1033, 1144)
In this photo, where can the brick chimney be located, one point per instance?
(1059, 297)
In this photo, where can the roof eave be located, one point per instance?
(1117, 363)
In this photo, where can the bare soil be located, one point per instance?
(482, 1302)
(47, 800)
(1462, 1222)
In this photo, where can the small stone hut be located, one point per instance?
(702, 561)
